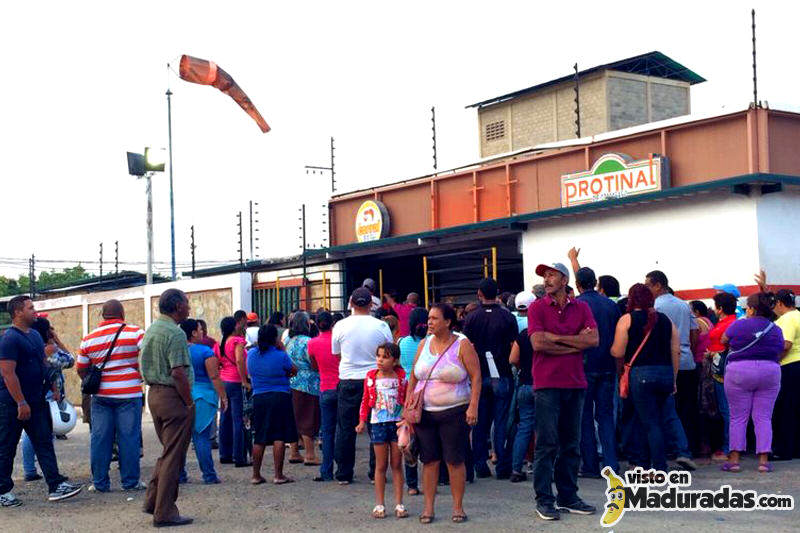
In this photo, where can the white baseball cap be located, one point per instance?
(523, 300)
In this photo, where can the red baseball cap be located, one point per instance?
(252, 317)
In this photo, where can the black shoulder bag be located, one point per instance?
(90, 384)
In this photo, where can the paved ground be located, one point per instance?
(308, 506)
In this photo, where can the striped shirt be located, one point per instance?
(120, 378)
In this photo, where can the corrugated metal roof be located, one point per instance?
(649, 64)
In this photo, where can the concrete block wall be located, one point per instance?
(635, 99)
(546, 116)
(609, 101)
(668, 101)
(627, 102)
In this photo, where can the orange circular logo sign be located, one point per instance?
(372, 221)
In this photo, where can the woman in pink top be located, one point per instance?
(232, 367)
(447, 363)
(327, 364)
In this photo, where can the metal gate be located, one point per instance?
(268, 300)
(455, 276)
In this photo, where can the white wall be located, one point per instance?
(778, 242)
(696, 241)
(240, 284)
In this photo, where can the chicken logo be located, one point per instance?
(372, 221)
(368, 215)
(615, 506)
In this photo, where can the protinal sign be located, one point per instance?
(615, 176)
(372, 221)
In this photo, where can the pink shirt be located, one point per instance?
(319, 350)
(562, 371)
(228, 370)
(403, 312)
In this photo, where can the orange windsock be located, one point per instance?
(205, 72)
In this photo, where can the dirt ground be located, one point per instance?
(235, 505)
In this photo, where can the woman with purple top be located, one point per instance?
(752, 379)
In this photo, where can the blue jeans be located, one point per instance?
(28, 456)
(202, 448)
(651, 392)
(722, 405)
(558, 434)
(327, 405)
(121, 418)
(527, 421)
(231, 426)
(598, 406)
(349, 393)
(493, 408)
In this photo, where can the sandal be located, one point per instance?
(400, 511)
(459, 518)
(282, 480)
(731, 467)
(413, 491)
(425, 519)
(765, 468)
(379, 511)
(311, 463)
(258, 481)
(296, 461)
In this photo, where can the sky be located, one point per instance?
(85, 82)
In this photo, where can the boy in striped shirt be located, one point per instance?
(117, 407)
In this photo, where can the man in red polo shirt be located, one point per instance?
(560, 328)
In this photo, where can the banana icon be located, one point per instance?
(615, 507)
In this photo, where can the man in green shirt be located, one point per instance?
(166, 367)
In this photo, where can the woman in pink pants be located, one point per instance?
(752, 379)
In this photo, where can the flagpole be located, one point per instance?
(171, 195)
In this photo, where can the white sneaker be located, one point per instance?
(9, 500)
(139, 486)
(65, 490)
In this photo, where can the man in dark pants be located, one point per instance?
(356, 339)
(601, 373)
(23, 405)
(492, 329)
(166, 367)
(561, 328)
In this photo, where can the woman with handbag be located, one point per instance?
(650, 346)
(446, 385)
(752, 379)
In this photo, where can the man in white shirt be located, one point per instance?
(356, 340)
(251, 333)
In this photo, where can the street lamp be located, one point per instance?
(144, 166)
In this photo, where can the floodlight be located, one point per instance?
(154, 159)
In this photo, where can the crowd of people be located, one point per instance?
(555, 383)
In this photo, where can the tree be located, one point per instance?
(9, 286)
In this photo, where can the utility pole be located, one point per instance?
(241, 246)
(253, 229)
(303, 239)
(171, 195)
(149, 191)
(577, 104)
(191, 249)
(116, 257)
(101, 259)
(32, 276)
(433, 127)
(331, 169)
(755, 82)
